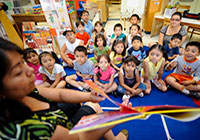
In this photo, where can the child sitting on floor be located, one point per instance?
(32, 60)
(137, 50)
(81, 34)
(104, 74)
(134, 30)
(52, 72)
(84, 69)
(186, 76)
(100, 47)
(118, 35)
(117, 54)
(135, 19)
(152, 65)
(98, 29)
(129, 79)
(172, 49)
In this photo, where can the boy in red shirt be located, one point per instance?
(81, 34)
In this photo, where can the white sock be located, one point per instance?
(141, 94)
(81, 88)
(187, 92)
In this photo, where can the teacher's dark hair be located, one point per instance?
(10, 110)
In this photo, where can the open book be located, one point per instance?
(181, 113)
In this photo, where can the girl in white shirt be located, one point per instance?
(52, 72)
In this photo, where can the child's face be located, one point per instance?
(98, 28)
(155, 55)
(103, 64)
(48, 62)
(175, 42)
(134, 20)
(33, 58)
(136, 44)
(100, 42)
(118, 31)
(81, 28)
(85, 16)
(80, 57)
(70, 37)
(191, 52)
(134, 30)
(119, 48)
(130, 67)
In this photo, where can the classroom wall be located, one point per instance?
(195, 5)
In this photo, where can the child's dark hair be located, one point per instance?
(193, 43)
(54, 56)
(131, 58)
(84, 11)
(178, 14)
(100, 36)
(100, 23)
(161, 48)
(177, 36)
(98, 59)
(137, 38)
(27, 51)
(135, 15)
(138, 26)
(116, 42)
(80, 23)
(80, 49)
(118, 25)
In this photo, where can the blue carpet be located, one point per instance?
(152, 128)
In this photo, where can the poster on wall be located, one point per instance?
(56, 13)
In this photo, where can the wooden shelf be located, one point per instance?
(114, 1)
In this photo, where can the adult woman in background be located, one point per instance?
(173, 28)
(32, 113)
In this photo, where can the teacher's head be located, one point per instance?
(175, 19)
(16, 78)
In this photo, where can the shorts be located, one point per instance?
(122, 90)
(119, 65)
(103, 82)
(75, 111)
(180, 77)
(81, 79)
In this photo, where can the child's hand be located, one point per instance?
(173, 64)
(161, 82)
(133, 91)
(69, 62)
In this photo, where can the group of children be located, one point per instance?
(123, 67)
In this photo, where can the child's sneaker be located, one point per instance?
(125, 97)
(141, 94)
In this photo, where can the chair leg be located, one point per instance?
(191, 33)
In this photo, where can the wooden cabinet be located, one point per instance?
(103, 5)
(18, 19)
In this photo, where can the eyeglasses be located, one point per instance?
(173, 19)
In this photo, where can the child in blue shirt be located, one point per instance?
(172, 49)
(84, 69)
(137, 50)
(118, 35)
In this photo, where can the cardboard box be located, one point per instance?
(169, 12)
